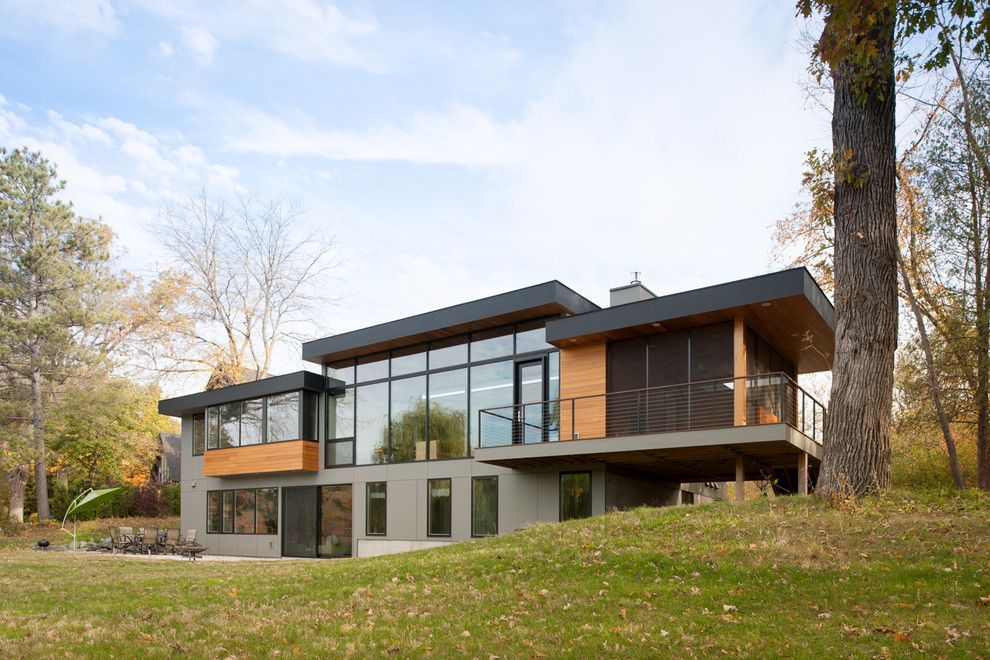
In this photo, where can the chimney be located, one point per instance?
(629, 293)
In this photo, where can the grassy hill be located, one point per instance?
(905, 574)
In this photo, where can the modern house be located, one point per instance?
(527, 406)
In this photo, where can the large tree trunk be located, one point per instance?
(17, 481)
(934, 386)
(41, 460)
(856, 458)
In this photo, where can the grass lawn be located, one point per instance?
(908, 574)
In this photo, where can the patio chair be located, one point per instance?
(172, 537)
(149, 541)
(115, 543)
(126, 539)
(189, 538)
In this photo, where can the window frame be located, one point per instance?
(221, 493)
(450, 508)
(494, 477)
(367, 508)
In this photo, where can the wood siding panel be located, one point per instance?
(582, 373)
(289, 456)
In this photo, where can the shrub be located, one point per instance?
(173, 494)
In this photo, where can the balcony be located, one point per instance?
(690, 431)
(274, 457)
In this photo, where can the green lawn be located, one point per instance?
(905, 575)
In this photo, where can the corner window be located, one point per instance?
(575, 495)
(252, 416)
(198, 434)
(212, 428)
(438, 507)
(484, 506)
(230, 422)
(376, 507)
(283, 417)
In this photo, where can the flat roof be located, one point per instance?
(787, 308)
(546, 299)
(189, 404)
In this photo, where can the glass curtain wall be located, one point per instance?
(422, 402)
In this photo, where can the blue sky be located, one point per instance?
(455, 150)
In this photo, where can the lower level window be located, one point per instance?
(575, 495)
(484, 506)
(375, 523)
(438, 507)
(242, 511)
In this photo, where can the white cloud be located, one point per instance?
(200, 41)
(464, 135)
(164, 50)
(307, 30)
(68, 17)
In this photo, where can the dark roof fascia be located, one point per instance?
(772, 286)
(193, 403)
(552, 292)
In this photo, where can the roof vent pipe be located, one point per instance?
(629, 293)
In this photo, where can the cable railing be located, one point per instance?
(772, 398)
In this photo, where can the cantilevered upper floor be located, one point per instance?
(542, 375)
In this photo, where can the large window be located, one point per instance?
(448, 414)
(283, 417)
(198, 434)
(212, 428)
(421, 402)
(275, 418)
(242, 511)
(376, 506)
(575, 495)
(339, 448)
(409, 419)
(371, 425)
(252, 418)
(228, 512)
(230, 424)
(491, 387)
(484, 506)
(438, 507)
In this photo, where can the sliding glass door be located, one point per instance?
(299, 521)
(316, 521)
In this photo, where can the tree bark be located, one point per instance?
(856, 459)
(934, 386)
(17, 481)
(40, 460)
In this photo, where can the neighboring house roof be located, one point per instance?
(546, 299)
(189, 404)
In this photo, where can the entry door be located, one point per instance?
(299, 521)
(530, 398)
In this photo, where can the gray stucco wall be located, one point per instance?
(524, 498)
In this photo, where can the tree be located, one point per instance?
(105, 430)
(252, 276)
(54, 266)
(857, 47)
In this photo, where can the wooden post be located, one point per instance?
(740, 480)
(739, 372)
(803, 474)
